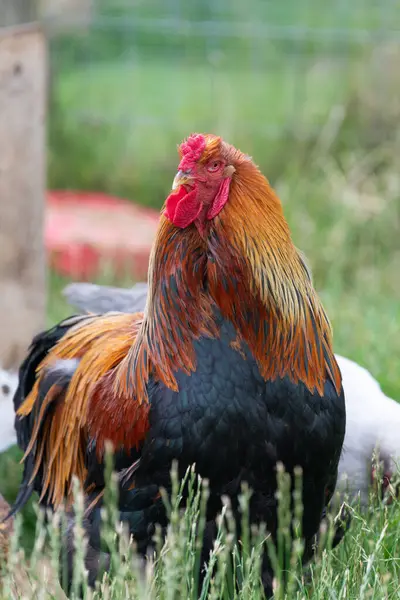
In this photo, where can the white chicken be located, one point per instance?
(8, 385)
(372, 422)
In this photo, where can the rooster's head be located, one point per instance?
(201, 187)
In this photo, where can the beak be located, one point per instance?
(182, 178)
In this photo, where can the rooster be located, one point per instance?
(230, 366)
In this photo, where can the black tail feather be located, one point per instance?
(40, 346)
(25, 491)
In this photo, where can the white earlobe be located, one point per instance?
(229, 171)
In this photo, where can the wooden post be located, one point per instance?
(22, 184)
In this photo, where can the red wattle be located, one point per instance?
(182, 207)
(220, 199)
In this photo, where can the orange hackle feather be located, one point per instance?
(261, 283)
(179, 310)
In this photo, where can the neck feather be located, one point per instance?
(262, 285)
(178, 309)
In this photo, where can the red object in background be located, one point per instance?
(87, 233)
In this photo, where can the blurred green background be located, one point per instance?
(310, 89)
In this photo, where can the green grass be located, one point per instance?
(182, 92)
(366, 565)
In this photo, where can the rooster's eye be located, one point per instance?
(214, 166)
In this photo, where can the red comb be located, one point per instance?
(191, 150)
